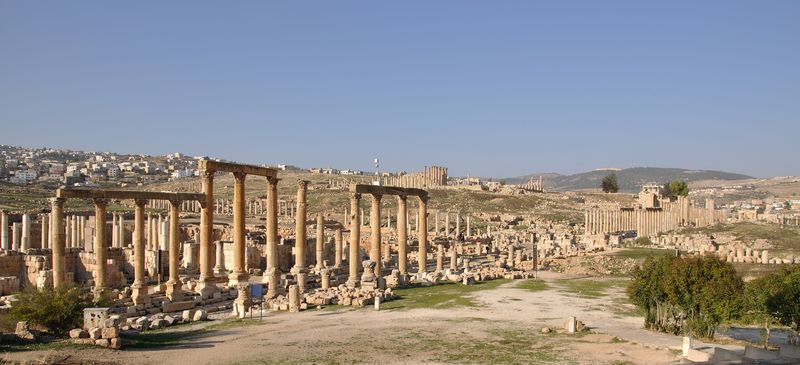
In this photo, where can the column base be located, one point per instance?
(271, 279)
(352, 283)
(139, 294)
(206, 288)
(173, 291)
(300, 278)
(237, 277)
(220, 270)
(242, 302)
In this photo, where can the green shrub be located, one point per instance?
(687, 295)
(57, 310)
(643, 240)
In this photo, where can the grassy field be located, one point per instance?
(592, 287)
(784, 239)
(442, 296)
(642, 253)
(532, 285)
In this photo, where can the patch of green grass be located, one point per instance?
(642, 253)
(532, 285)
(441, 296)
(591, 287)
(622, 307)
(54, 345)
(508, 347)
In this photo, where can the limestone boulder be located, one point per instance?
(78, 333)
(200, 315)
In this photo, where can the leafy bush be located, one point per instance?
(644, 240)
(57, 310)
(686, 295)
(784, 304)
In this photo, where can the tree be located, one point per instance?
(610, 184)
(757, 295)
(687, 295)
(676, 188)
(785, 303)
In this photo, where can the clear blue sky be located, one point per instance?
(490, 88)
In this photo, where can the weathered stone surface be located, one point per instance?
(187, 315)
(95, 333)
(23, 331)
(200, 315)
(177, 306)
(78, 333)
(115, 343)
(110, 332)
(102, 342)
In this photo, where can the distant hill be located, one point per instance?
(630, 180)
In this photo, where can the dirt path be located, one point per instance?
(504, 328)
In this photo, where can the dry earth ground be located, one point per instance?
(501, 325)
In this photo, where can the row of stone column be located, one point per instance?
(601, 221)
(186, 205)
(139, 295)
(19, 237)
(447, 228)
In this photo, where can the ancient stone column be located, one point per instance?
(299, 269)
(439, 258)
(100, 252)
(205, 286)
(45, 221)
(294, 298)
(139, 293)
(57, 233)
(26, 232)
(4, 241)
(402, 234)
(447, 224)
(458, 224)
(220, 260)
(320, 241)
(68, 229)
(326, 278)
(453, 260)
(436, 222)
(272, 238)
(337, 241)
(239, 274)
(16, 232)
(74, 231)
(114, 230)
(375, 235)
(121, 224)
(423, 234)
(164, 234)
(174, 284)
(355, 240)
(469, 227)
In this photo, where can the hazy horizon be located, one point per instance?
(483, 88)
